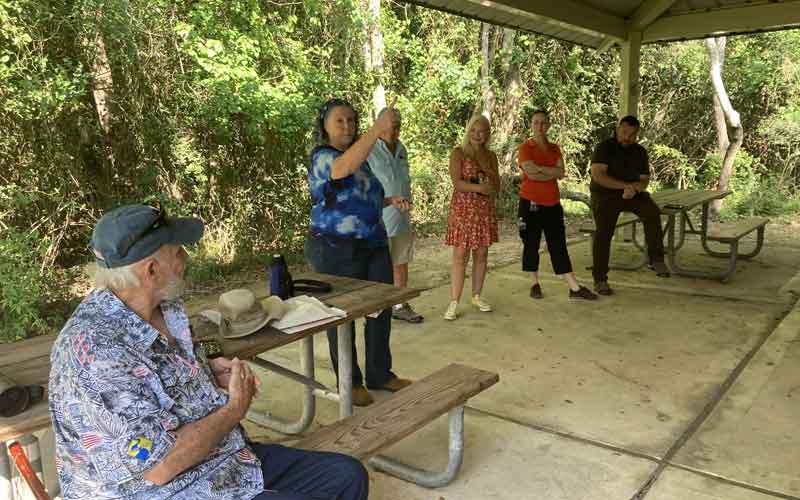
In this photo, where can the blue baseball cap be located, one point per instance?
(130, 233)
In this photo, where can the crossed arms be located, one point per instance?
(542, 173)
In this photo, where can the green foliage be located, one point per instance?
(211, 106)
(23, 286)
(671, 166)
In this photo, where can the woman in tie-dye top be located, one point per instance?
(347, 236)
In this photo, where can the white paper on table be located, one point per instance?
(304, 312)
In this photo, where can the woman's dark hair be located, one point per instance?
(325, 110)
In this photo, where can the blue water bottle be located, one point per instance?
(279, 280)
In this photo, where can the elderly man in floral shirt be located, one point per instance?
(139, 412)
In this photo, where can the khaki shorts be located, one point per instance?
(402, 248)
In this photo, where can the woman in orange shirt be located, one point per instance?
(540, 208)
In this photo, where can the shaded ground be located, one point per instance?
(672, 389)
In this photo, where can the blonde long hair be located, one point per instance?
(466, 147)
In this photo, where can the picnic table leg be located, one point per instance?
(345, 345)
(641, 245)
(723, 275)
(430, 479)
(6, 488)
(681, 231)
(725, 255)
(265, 419)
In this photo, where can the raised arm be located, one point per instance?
(351, 160)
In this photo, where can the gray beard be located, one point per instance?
(173, 290)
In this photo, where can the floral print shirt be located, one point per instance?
(118, 392)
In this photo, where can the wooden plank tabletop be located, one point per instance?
(358, 298)
(28, 361)
(681, 200)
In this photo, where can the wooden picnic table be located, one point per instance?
(28, 362)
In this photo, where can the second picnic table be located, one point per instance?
(676, 205)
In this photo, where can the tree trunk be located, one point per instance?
(102, 90)
(487, 61)
(373, 55)
(102, 82)
(716, 53)
(506, 117)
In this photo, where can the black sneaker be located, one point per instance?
(583, 293)
(602, 288)
(661, 269)
(536, 291)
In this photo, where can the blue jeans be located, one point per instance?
(357, 259)
(293, 474)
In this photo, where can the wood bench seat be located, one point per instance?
(733, 231)
(389, 420)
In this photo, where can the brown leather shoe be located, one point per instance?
(536, 291)
(394, 385)
(361, 396)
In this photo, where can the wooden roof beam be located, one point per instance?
(647, 13)
(744, 19)
(568, 14)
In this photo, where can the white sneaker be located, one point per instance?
(481, 304)
(450, 314)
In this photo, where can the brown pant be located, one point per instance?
(606, 209)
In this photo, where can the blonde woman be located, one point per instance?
(472, 225)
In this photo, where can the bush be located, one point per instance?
(23, 285)
(769, 197)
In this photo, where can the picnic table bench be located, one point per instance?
(675, 206)
(388, 421)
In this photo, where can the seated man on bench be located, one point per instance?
(620, 174)
(139, 413)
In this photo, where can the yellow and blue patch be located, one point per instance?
(140, 448)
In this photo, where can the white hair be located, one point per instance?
(384, 110)
(466, 147)
(118, 278)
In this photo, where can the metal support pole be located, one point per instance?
(6, 487)
(268, 420)
(345, 346)
(427, 478)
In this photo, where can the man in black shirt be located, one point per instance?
(620, 174)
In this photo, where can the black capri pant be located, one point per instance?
(534, 220)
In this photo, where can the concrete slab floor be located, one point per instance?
(752, 436)
(641, 363)
(677, 484)
(624, 375)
